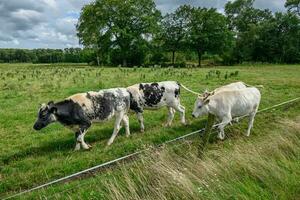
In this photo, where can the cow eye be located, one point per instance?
(43, 115)
(199, 106)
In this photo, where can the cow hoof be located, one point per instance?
(167, 125)
(77, 147)
(86, 147)
(142, 130)
(221, 137)
(127, 135)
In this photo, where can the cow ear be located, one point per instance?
(206, 101)
(206, 94)
(53, 109)
(141, 87)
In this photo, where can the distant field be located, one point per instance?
(29, 158)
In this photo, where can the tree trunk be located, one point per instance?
(97, 51)
(199, 58)
(173, 57)
(98, 60)
(124, 64)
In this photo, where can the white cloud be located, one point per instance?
(26, 15)
(66, 25)
(51, 23)
(16, 42)
(51, 3)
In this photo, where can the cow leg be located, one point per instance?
(77, 147)
(141, 121)
(250, 123)
(181, 110)
(126, 124)
(119, 117)
(83, 127)
(80, 139)
(226, 120)
(170, 116)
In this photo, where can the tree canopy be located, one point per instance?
(68, 55)
(174, 30)
(208, 32)
(118, 24)
(293, 5)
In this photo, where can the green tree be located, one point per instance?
(21, 55)
(174, 30)
(293, 5)
(117, 24)
(246, 22)
(208, 32)
(90, 33)
(287, 26)
(242, 15)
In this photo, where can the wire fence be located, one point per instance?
(123, 158)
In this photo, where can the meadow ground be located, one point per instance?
(266, 164)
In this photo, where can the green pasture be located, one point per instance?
(29, 158)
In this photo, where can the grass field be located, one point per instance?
(264, 166)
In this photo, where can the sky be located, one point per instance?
(51, 23)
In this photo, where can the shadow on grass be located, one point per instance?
(61, 145)
(66, 145)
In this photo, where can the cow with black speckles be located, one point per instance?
(153, 96)
(79, 111)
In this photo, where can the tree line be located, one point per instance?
(134, 32)
(68, 55)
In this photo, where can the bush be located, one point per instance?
(158, 58)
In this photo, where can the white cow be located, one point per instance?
(227, 104)
(231, 86)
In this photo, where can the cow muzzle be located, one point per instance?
(37, 127)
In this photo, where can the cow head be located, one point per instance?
(46, 116)
(200, 106)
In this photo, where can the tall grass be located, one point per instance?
(266, 167)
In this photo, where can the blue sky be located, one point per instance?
(51, 23)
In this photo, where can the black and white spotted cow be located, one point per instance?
(152, 96)
(79, 111)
